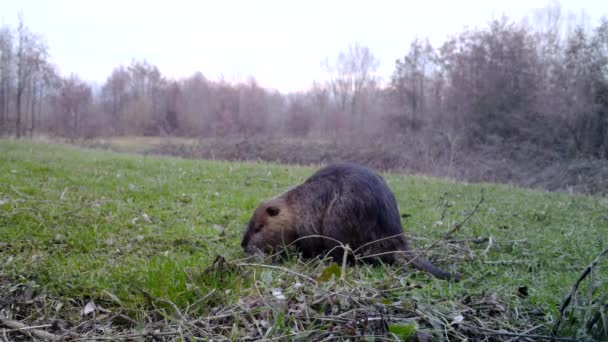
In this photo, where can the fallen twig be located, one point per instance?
(129, 336)
(476, 241)
(34, 331)
(527, 332)
(454, 228)
(459, 225)
(524, 335)
(505, 262)
(344, 259)
(31, 327)
(198, 301)
(19, 192)
(591, 322)
(568, 298)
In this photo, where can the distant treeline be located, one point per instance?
(543, 83)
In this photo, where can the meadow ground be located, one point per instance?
(513, 163)
(97, 244)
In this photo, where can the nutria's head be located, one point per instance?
(270, 228)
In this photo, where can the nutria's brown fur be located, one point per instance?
(345, 202)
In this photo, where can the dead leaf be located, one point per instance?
(146, 218)
(457, 320)
(278, 294)
(219, 229)
(89, 308)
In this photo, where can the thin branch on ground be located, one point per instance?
(37, 333)
(460, 224)
(591, 322)
(569, 297)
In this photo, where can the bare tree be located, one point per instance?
(253, 108)
(115, 97)
(40, 84)
(6, 74)
(224, 109)
(73, 101)
(31, 55)
(351, 75)
(588, 55)
(147, 88)
(299, 116)
(320, 102)
(196, 105)
(491, 81)
(409, 82)
(173, 96)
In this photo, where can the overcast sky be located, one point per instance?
(281, 43)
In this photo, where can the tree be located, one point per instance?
(299, 116)
(40, 85)
(408, 83)
(588, 60)
(115, 97)
(351, 75)
(173, 97)
(196, 105)
(6, 74)
(224, 109)
(491, 81)
(73, 102)
(320, 101)
(147, 106)
(253, 108)
(31, 55)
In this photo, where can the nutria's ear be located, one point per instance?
(272, 211)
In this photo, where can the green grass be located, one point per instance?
(122, 228)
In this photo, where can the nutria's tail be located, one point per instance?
(426, 266)
(420, 263)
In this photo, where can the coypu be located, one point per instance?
(345, 202)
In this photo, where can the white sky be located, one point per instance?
(280, 43)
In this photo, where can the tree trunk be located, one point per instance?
(18, 104)
(2, 108)
(39, 116)
(33, 110)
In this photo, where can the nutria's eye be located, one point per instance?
(272, 211)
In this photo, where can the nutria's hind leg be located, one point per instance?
(386, 250)
(376, 261)
(374, 253)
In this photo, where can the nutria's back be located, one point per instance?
(346, 204)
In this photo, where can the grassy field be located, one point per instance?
(102, 244)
